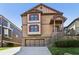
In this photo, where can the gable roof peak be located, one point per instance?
(41, 4)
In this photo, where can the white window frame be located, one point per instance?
(34, 20)
(6, 31)
(34, 33)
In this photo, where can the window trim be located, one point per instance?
(5, 23)
(6, 31)
(39, 18)
(33, 25)
(32, 15)
(34, 33)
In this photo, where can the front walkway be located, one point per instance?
(34, 51)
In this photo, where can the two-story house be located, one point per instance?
(39, 24)
(10, 34)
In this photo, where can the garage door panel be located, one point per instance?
(27, 42)
(31, 43)
(35, 42)
(42, 42)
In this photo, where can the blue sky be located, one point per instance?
(12, 11)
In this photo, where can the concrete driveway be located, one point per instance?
(34, 51)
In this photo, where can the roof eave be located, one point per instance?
(61, 13)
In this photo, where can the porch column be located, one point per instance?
(54, 26)
(62, 27)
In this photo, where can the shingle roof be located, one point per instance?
(32, 11)
(73, 22)
(42, 5)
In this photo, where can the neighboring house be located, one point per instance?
(74, 25)
(41, 23)
(11, 33)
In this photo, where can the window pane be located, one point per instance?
(10, 33)
(34, 28)
(11, 26)
(34, 17)
(5, 31)
(5, 23)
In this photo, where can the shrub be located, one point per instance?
(67, 43)
(10, 45)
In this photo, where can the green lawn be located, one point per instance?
(61, 51)
(3, 48)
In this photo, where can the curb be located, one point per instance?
(18, 51)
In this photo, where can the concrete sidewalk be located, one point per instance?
(34, 51)
(10, 51)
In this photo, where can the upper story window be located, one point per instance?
(5, 31)
(10, 33)
(33, 17)
(11, 26)
(5, 23)
(34, 28)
